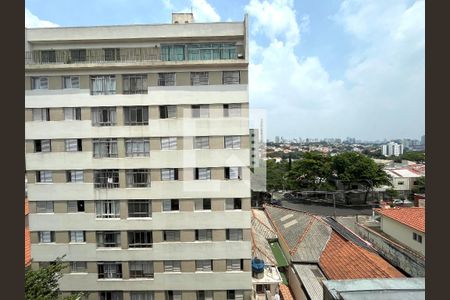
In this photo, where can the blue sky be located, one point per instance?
(331, 68)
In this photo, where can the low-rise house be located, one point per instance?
(318, 248)
(406, 225)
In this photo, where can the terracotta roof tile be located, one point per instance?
(285, 292)
(27, 246)
(413, 217)
(342, 259)
(27, 208)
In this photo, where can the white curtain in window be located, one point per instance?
(45, 146)
(201, 142)
(231, 77)
(77, 236)
(107, 209)
(234, 110)
(71, 145)
(232, 142)
(45, 237)
(167, 174)
(141, 295)
(171, 111)
(204, 111)
(169, 143)
(235, 234)
(204, 173)
(235, 172)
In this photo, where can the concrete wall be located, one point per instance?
(394, 253)
(403, 234)
(295, 285)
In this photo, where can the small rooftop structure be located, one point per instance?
(413, 217)
(374, 289)
(182, 18)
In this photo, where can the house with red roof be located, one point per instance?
(405, 225)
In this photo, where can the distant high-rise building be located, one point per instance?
(277, 139)
(392, 149)
(422, 140)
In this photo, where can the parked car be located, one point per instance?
(276, 202)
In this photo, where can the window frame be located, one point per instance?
(75, 267)
(169, 234)
(78, 205)
(167, 111)
(73, 176)
(105, 148)
(48, 207)
(71, 79)
(108, 244)
(39, 144)
(134, 176)
(39, 83)
(163, 81)
(72, 113)
(47, 175)
(199, 78)
(128, 112)
(174, 205)
(231, 79)
(41, 237)
(107, 83)
(140, 203)
(108, 274)
(172, 142)
(143, 89)
(135, 145)
(40, 114)
(141, 272)
(169, 174)
(111, 176)
(109, 209)
(73, 145)
(206, 176)
(77, 237)
(140, 239)
(104, 116)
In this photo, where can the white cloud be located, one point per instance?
(32, 21)
(382, 92)
(276, 19)
(204, 12)
(168, 4)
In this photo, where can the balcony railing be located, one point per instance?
(186, 52)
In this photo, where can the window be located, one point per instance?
(105, 148)
(103, 85)
(42, 146)
(169, 174)
(417, 237)
(167, 111)
(73, 145)
(44, 176)
(112, 54)
(235, 295)
(199, 78)
(107, 209)
(233, 203)
(166, 79)
(71, 82)
(235, 264)
(106, 178)
(200, 111)
(171, 235)
(48, 56)
(203, 265)
(231, 77)
(234, 235)
(140, 239)
(78, 267)
(137, 147)
(203, 235)
(111, 295)
(75, 206)
(77, 55)
(108, 239)
(173, 295)
(46, 236)
(72, 113)
(203, 204)
(233, 173)
(135, 84)
(39, 83)
(204, 295)
(44, 207)
(108, 270)
(171, 205)
(400, 183)
(74, 176)
(139, 208)
(232, 142)
(103, 116)
(77, 237)
(138, 178)
(202, 173)
(209, 51)
(172, 266)
(201, 142)
(41, 114)
(136, 115)
(172, 52)
(169, 143)
(232, 110)
(141, 295)
(141, 269)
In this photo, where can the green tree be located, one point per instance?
(312, 171)
(391, 193)
(276, 174)
(414, 156)
(352, 167)
(42, 284)
(419, 188)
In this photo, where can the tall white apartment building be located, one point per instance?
(137, 158)
(392, 148)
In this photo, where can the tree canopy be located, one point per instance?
(42, 283)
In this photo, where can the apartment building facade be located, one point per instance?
(137, 158)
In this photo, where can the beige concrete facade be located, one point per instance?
(147, 39)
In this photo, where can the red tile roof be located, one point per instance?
(285, 292)
(413, 217)
(27, 237)
(342, 259)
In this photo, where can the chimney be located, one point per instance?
(182, 18)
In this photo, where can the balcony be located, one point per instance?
(165, 53)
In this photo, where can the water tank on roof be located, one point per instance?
(257, 268)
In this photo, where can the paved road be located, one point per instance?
(326, 210)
